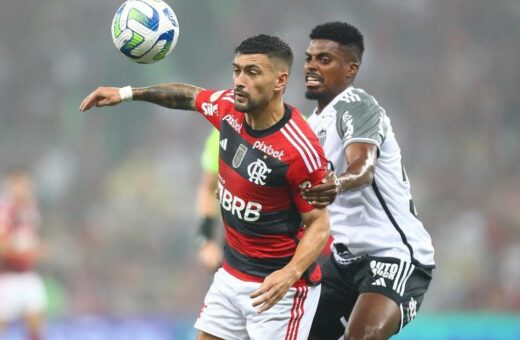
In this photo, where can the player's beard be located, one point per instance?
(311, 95)
(244, 107)
(249, 105)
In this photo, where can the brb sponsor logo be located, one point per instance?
(385, 270)
(268, 150)
(247, 211)
(233, 122)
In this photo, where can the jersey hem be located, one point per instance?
(251, 278)
(361, 140)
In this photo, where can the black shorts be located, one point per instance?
(341, 285)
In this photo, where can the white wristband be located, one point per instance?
(126, 93)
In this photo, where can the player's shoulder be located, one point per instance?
(356, 101)
(221, 95)
(302, 143)
(214, 101)
(299, 122)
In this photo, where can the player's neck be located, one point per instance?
(325, 100)
(266, 117)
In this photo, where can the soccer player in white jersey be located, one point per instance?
(382, 256)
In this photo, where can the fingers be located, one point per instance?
(323, 197)
(258, 292)
(319, 205)
(103, 96)
(88, 102)
(323, 192)
(267, 298)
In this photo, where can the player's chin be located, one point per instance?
(242, 106)
(311, 93)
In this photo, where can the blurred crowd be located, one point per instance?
(117, 186)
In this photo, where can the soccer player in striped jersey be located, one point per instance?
(268, 287)
(22, 291)
(382, 256)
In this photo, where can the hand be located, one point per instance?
(322, 195)
(274, 287)
(210, 255)
(102, 96)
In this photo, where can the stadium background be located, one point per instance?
(116, 186)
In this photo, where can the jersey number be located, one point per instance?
(413, 210)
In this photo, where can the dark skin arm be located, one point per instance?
(173, 96)
(361, 160)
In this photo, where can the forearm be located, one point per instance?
(361, 159)
(174, 96)
(357, 175)
(311, 244)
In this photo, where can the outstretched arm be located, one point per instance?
(174, 96)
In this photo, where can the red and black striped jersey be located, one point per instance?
(19, 225)
(260, 176)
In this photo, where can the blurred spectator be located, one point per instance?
(22, 292)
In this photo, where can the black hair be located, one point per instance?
(343, 33)
(269, 45)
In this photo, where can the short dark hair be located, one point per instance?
(342, 33)
(269, 45)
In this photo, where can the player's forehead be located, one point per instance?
(324, 46)
(261, 61)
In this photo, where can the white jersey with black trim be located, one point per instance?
(380, 219)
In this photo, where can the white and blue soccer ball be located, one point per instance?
(145, 31)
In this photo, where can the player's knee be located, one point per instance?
(367, 332)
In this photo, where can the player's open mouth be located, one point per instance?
(312, 80)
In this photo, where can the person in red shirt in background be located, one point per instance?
(22, 292)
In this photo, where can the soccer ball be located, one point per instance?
(145, 31)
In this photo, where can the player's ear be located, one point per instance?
(281, 81)
(351, 68)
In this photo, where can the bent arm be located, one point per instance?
(276, 285)
(361, 160)
(173, 96)
(314, 239)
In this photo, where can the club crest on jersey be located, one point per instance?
(322, 136)
(239, 156)
(258, 171)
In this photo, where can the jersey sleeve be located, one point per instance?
(210, 102)
(307, 170)
(360, 121)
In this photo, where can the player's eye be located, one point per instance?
(308, 58)
(325, 60)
